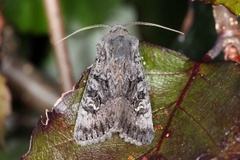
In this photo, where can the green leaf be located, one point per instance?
(195, 108)
(232, 5)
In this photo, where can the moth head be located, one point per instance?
(118, 28)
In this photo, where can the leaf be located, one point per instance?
(232, 5)
(194, 106)
(5, 106)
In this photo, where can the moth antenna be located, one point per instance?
(82, 29)
(154, 25)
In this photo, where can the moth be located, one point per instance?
(116, 97)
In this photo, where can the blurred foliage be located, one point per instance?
(28, 19)
(87, 12)
(26, 16)
(167, 13)
(201, 36)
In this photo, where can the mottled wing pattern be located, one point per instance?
(136, 118)
(95, 118)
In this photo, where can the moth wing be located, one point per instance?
(136, 125)
(95, 118)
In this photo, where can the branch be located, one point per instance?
(228, 40)
(61, 54)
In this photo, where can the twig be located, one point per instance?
(24, 80)
(228, 40)
(57, 32)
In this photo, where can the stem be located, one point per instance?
(61, 54)
(228, 40)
